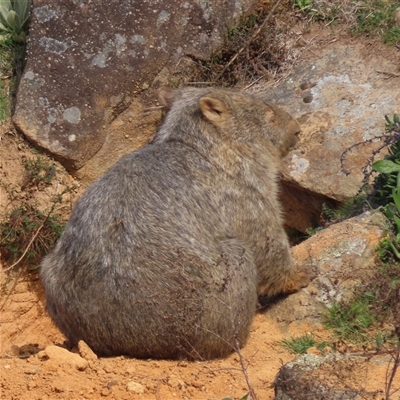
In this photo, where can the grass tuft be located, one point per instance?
(301, 344)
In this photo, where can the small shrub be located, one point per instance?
(19, 229)
(14, 18)
(250, 51)
(38, 172)
(26, 232)
(312, 231)
(386, 188)
(14, 22)
(301, 344)
(346, 210)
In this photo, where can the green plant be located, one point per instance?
(350, 321)
(387, 184)
(12, 56)
(384, 249)
(243, 27)
(301, 344)
(38, 171)
(377, 17)
(244, 56)
(18, 230)
(312, 231)
(328, 12)
(392, 35)
(14, 18)
(245, 397)
(379, 299)
(4, 103)
(303, 4)
(345, 210)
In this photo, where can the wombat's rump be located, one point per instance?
(164, 255)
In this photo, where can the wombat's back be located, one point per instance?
(145, 266)
(165, 254)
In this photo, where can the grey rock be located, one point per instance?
(347, 105)
(331, 377)
(88, 60)
(342, 256)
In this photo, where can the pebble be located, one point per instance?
(63, 357)
(135, 387)
(86, 352)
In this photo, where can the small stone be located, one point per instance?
(108, 369)
(32, 370)
(32, 385)
(197, 384)
(130, 370)
(135, 387)
(63, 356)
(313, 350)
(86, 352)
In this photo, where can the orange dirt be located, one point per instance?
(26, 329)
(26, 374)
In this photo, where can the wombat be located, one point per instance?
(165, 255)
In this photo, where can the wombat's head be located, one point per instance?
(238, 116)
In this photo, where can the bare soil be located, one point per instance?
(26, 329)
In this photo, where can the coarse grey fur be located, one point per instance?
(165, 254)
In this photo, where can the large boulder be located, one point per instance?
(332, 377)
(89, 61)
(340, 97)
(342, 257)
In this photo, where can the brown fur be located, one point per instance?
(165, 254)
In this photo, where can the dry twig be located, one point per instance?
(246, 45)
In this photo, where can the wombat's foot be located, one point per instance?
(290, 283)
(300, 280)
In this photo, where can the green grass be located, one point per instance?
(372, 316)
(345, 210)
(363, 17)
(360, 320)
(301, 344)
(351, 321)
(5, 108)
(12, 56)
(377, 17)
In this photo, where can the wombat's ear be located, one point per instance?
(167, 96)
(215, 110)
